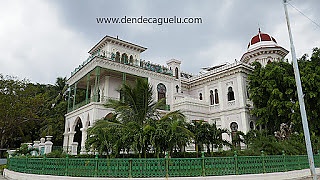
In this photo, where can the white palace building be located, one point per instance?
(218, 94)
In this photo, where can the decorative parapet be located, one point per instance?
(217, 73)
(191, 104)
(143, 64)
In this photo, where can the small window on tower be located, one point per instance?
(216, 96)
(211, 98)
(177, 73)
(230, 94)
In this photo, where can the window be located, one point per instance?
(230, 94)
(216, 96)
(200, 96)
(124, 58)
(177, 88)
(177, 73)
(131, 60)
(234, 127)
(211, 98)
(113, 56)
(161, 88)
(251, 125)
(117, 56)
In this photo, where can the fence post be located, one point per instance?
(130, 168)
(26, 165)
(8, 163)
(317, 159)
(284, 161)
(203, 164)
(263, 162)
(167, 164)
(236, 162)
(43, 164)
(67, 163)
(96, 166)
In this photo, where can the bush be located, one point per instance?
(56, 154)
(2, 167)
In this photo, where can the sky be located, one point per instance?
(41, 40)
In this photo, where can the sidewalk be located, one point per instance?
(297, 175)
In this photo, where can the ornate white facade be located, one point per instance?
(217, 95)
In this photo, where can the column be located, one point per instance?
(74, 95)
(71, 136)
(69, 95)
(41, 146)
(48, 145)
(83, 140)
(65, 141)
(96, 84)
(106, 86)
(124, 78)
(87, 90)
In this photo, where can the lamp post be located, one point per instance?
(300, 98)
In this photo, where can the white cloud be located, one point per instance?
(35, 44)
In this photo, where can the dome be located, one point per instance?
(261, 39)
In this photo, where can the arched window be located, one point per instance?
(200, 96)
(211, 98)
(177, 88)
(113, 56)
(131, 60)
(230, 94)
(177, 73)
(234, 127)
(251, 125)
(117, 56)
(124, 58)
(216, 96)
(161, 88)
(235, 137)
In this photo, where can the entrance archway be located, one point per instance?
(78, 135)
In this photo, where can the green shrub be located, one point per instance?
(56, 154)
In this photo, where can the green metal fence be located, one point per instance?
(159, 167)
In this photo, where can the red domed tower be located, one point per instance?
(264, 49)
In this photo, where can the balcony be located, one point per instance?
(102, 101)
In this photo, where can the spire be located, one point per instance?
(259, 30)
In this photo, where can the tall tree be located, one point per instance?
(273, 92)
(55, 109)
(20, 110)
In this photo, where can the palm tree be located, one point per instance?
(198, 134)
(141, 125)
(217, 141)
(171, 132)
